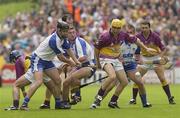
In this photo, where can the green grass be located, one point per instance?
(10, 9)
(156, 96)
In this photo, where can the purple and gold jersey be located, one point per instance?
(19, 66)
(153, 41)
(109, 46)
(22, 64)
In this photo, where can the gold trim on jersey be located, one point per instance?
(111, 51)
(146, 54)
(27, 63)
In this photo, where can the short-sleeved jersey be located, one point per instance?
(109, 46)
(51, 47)
(153, 41)
(81, 48)
(128, 50)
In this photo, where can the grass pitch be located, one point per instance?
(155, 94)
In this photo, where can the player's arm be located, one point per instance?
(62, 58)
(66, 46)
(82, 59)
(58, 49)
(97, 52)
(149, 50)
(97, 47)
(71, 54)
(161, 61)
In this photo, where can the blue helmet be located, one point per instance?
(14, 55)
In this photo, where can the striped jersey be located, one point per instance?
(81, 48)
(51, 47)
(128, 50)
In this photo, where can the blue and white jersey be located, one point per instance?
(82, 48)
(128, 50)
(51, 47)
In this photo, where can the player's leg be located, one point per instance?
(121, 76)
(110, 87)
(23, 91)
(50, 84)
(54, 75)
(19, 83)
(74, 80)
(48, 94)
(136, 78)
(75, 95)
(135, 89)
(160, 73)
(32, 89)
(75, 92)
(109, 69)
(50, 90)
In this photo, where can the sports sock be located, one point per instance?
(57, 102)
(16, 103)
(167, 90)
(143, 99)
(101, 92)
(114, 98)
(26, 101)
(135, 92)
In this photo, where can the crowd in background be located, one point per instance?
(26, 30)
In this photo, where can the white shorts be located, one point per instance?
(57, 62)
(115, 62)
(149, 66)
(30, 77)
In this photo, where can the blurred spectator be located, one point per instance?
(172, 49)
(92, 17)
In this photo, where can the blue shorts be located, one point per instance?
(129, 66)
(37, 64)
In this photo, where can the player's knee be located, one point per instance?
(124, 83)
(17, 85)
(39, 82)
(112, 77)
